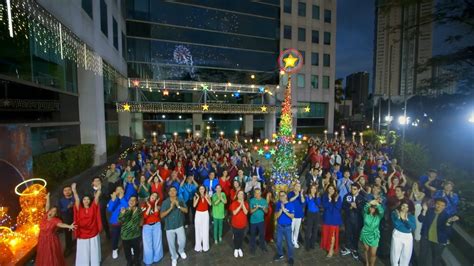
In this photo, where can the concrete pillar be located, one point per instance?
(92, 113)
(137, 125)
(124, 118)
(270, 125)
(197, 125)
(330, 117)
(248, 125)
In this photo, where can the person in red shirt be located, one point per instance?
(156, 183)
(151, 232)
(233, 192)
(48, 251)
(224, 182)
(89, 224)
(240, 209)
(164, 172)
(201, 202)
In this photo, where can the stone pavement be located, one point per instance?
(223, 254)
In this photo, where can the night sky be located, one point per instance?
(355, 37)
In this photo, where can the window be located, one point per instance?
(314, 82)
(301, 34)
(115, 32)
(303, 54)
(287, 6)
(124, 47)
(315, 12)
(315, 36)
(326, 60)
(326, 82)
(300, 81)
(87, 6)
(103, 18)
(301, 9)
(315, 59)
(287, 32)
(327, 16)
(327, 38)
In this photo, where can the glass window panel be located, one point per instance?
(326, 81)
(327, 16)
(103, 18)
(315, 12)
(314, 82)
(115, 32)
(301, 9)
(326, 60)
(327, 38)
(301, 34)
(303, 54)
(87, 7)
(315, 36)
(300, 81)
(287, 6)
(315, 59)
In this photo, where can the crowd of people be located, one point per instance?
(351, 196)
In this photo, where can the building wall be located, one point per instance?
(403, 41)
(301, 95)
(357, 89)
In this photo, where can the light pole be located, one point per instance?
(236, 136)
(361, 138)
(154, 137)
(175, 134)
(189, 133)
(335, 135)
(325, 135)
(403, 120)
(343, 136)
(222, 134)
(353, 137)
(208, 134)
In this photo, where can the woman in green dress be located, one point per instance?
(370, 234)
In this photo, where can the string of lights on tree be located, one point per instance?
(27, 19)
(284, 170)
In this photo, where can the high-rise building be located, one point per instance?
(62, 67)
(403, 41)
(357, 89)
(310, 27)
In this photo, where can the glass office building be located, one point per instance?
(212, 41)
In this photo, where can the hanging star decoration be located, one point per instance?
(272, 151)
(204, 87)
(260, 152)
(307, 109)
(126, 107)
(205, 107)
(264, 108)
(268, 156)
(290, 61)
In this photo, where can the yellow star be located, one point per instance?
(126, 107)
(290, 61)
(307, 109)
(264, 108)
(205, 107)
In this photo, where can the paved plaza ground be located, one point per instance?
(222, 254)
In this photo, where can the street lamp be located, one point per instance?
(208, 135)
(325, 135)
(175, 134)
(222, 134)
(361, 138)
(403, 120)
(471, 118)
(236, 136)
(353, 137)
(335, 135)
(343, 136)
(154, 137)
(189, 132)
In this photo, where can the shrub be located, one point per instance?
(58, 166)
(113, 144)
(417, 159)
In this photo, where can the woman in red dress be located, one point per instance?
(224, 181)
(156, 184)
(48, 251)
(89, 224)
(269, 222)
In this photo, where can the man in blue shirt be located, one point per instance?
(430, 183)
(211, 183)
(116, 203)
(258, 208)
(297, 198)
(435, 232)
(66, 204)
(451, 198)
(353, 204)
(186, 192)
(284, 213)
(344, 184)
